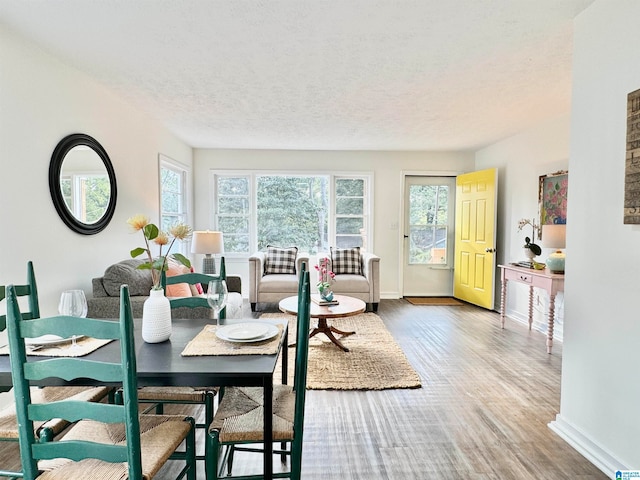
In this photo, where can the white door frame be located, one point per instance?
(401, 231)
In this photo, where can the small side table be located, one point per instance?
(551, 282)
(346, 307)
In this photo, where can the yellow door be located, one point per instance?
(474, 264)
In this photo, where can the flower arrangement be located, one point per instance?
(153, 234)
(528, 242)
(326, 275)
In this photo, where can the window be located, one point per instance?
(428, 217)
(350, 213)
(233, 212)
(291, 210)
(312, 212)
(173, 196)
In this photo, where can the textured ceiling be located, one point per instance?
(318, 74)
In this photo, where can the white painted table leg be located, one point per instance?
(552, 303)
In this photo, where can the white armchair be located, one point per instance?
(366, 287)
(267, 287)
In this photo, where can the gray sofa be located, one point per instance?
(105, 302)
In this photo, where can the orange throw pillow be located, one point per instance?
(179, 289)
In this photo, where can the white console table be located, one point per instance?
(551, 282)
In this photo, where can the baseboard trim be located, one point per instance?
(390, 295)
(538, 325)
(588, 448)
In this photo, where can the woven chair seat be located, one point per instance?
(239, 417)
(160, 435)
(182, 394)
(9, 422)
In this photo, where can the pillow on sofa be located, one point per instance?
(196, 289)
(126, 272)
(177, 289)
(280, 260)
(198, 286)
(346, 261)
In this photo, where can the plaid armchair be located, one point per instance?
(273, 275)
(357, 274)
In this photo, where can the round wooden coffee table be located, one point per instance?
(347, 306)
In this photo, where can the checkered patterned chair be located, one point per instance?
(273, 274)
(357, 274)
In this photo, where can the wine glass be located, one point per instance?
(74, 304)
(217, 294)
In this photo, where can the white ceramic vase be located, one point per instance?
(156, 318)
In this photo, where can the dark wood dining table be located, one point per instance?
(160, 364)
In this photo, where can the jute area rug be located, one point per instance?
(374, 360)
(433, 301)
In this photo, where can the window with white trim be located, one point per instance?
(350, 218)
(310, 211)
(233, 211)
(174, 204)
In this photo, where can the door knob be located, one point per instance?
(406, 236)
(490, 250)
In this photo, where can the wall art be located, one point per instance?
(552, 198)
(632, 162)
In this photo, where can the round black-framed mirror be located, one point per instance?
(82, 183)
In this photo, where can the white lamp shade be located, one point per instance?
(207, 242)
(554, 236)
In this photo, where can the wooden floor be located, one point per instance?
(482, 412)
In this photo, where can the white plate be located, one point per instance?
(244, 331)
(269, 332)
(49, 340)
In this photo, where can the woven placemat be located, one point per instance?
(83, 346)
(207, 343)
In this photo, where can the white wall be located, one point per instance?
(41, 101)
(387, 168)
(520, 161)
(600, 399)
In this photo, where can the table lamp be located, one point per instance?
(554, 236)
(207, 243)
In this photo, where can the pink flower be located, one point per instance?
(326, 275)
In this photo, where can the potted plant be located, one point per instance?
(531, 250)
(156, 311)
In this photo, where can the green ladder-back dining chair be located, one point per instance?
(53, 426)
(192, 279)
(236, 425)
(106, 440)
(161, 396)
